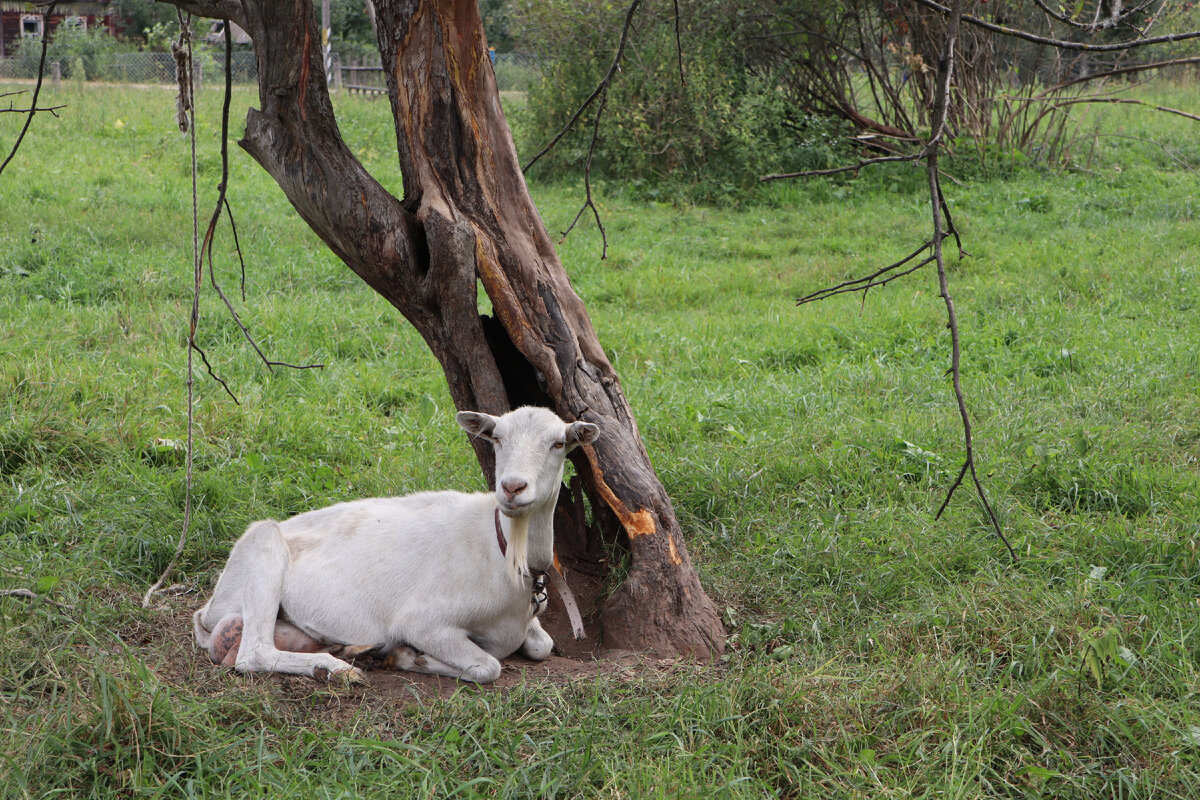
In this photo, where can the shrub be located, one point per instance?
(716, 131)
(82, 54)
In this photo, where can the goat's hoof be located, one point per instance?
(351, 677)
(345, 677)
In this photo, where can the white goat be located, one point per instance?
(423, 579)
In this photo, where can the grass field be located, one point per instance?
(874, 652)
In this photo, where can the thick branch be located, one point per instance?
(214, 9)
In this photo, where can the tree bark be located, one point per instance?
(467, 216)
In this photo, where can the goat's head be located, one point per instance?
(531, 445)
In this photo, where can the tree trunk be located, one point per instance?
(467, 215)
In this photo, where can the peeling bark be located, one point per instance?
(467, 215)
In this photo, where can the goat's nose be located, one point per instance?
(512, 488)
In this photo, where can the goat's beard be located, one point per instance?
(518, 548)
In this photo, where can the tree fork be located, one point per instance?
(467, 216)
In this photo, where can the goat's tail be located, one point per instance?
(518, 548)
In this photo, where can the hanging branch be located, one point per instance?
(943, 228)
(600, 90)
(37, 88)
(202, 252)
(187, 117)
(587, 186)
(940, 211)
(601, 93)
(679, 46)
(223, 204)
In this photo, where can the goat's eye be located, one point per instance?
(559, 445)
(495, 439)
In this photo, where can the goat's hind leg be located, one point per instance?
(450, 653)
(251, 586)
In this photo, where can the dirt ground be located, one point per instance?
(181, 661)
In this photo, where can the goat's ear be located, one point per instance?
(476, 423)
(581, 433)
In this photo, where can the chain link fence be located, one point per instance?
(514, 72)
(136, 68)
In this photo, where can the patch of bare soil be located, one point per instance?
(179, 661)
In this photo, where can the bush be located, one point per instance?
(82, 54)
(715, 134)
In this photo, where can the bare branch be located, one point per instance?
(1126, 101)
(870, 281)
(1112, 73)
(223, 204)
(590, 202)
(812, 173)
(938, 207)
(31, 595)
(601, 89)
(10, 110)
(37, 89)
(679, 45)
(1062, 44)
(1098, 23)
(943, 228)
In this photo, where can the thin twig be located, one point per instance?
(1112, 73)
(601, 89)
(602, 93)
(31, 595)
(870, 281)
(589, 202)
(37, 88)
(1098, 24)
(1125, 101)
(679, 46)
(206, 248)
(813, 173)
(10, 110)
(937, 205)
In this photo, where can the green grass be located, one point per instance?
(874, 652)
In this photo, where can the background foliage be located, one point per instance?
(874, 652)
(714, 134)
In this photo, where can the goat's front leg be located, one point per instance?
(448, 653)
(537, 644)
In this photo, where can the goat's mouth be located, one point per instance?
(512, 508)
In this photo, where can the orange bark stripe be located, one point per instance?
(636, 523)
(674, 554)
